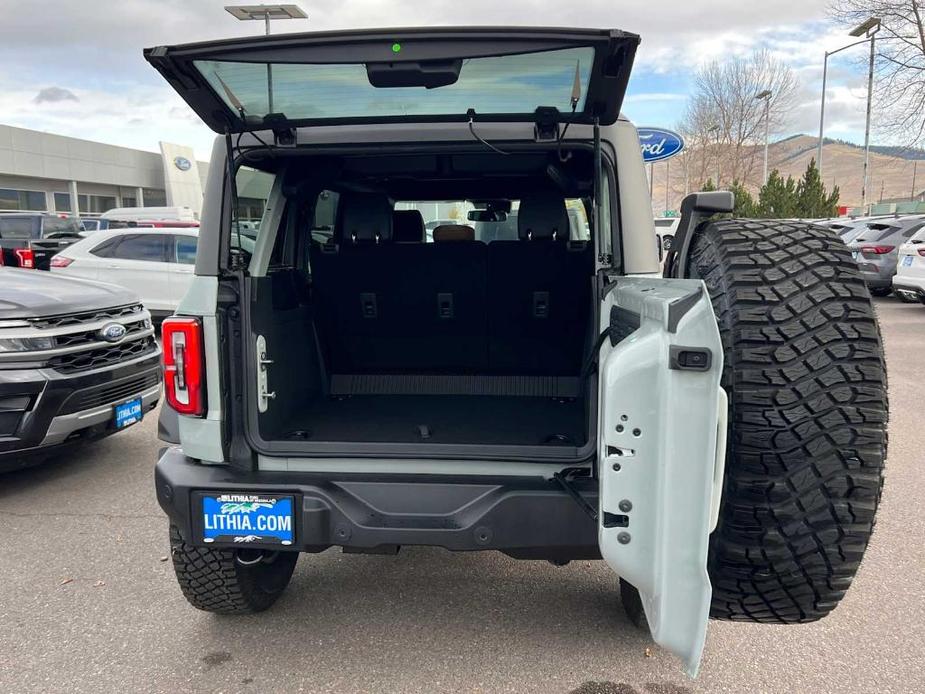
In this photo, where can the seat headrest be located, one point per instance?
(407, 226)
(364, 218)
(453, 232)
(543, 216)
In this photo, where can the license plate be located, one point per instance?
(248, 518)
(907, 261)
(128, 413)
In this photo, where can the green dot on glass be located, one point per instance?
(396, 48)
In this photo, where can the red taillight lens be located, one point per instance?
(61, 261)
(877, 250)
(922, 252)
(25, 257)
(184, 370)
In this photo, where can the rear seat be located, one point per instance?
(453, 306)
(539, 289)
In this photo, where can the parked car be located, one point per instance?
(716, 435)
(141, 214)
(29, 239)
(665, 228)
(876, 249)
(78, 361)
(156, 264)
(909, 280)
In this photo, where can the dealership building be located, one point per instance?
(42, 172)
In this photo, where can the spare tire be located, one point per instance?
(805, 375)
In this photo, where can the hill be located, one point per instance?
(891, 170)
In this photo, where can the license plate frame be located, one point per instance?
(246, 518)
(127, 413)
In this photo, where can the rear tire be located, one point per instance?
(214, 580)
(806, 380)
(906, 299)
(880, 291)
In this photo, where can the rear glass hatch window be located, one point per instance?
(395, 75)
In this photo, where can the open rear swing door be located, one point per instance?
(661, 451)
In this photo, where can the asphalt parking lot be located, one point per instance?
(88, 601)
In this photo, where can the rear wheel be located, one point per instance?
(229, 581)
(880, 291)
(907, 298)
(805, 375)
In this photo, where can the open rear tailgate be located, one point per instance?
(396, 75)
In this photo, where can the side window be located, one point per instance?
(579, 229)
(909, 233)
(325, 215)
(105, 249)
(185, 249)
(148, 247)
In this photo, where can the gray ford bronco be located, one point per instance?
(524, 379)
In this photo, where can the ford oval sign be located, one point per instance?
(658, 144)
(182, 163)
(112, 332)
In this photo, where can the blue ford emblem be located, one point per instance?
(112, 332)
(182, 163)
(658, 144)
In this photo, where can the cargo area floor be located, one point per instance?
(442, 419)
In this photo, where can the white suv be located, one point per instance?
(156, 264)
(909, 281)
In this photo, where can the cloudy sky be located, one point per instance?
(75, 68)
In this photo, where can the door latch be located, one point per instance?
(263, 389)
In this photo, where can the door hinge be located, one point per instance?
(263, 389)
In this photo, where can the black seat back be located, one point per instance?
(539, 289)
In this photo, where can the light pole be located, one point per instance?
(869, 29)
(766, 97)
(715, 130)
(857, 31)
(266, 13)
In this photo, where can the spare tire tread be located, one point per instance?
(806, 379)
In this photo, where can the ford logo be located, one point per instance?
(658, 144)
(112, 332)
(182, 163)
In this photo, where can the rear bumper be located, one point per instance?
(525, 517)
(910, 287)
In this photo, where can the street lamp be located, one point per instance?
(266, 13)
(869, 27)
(715, 129)
(766, 97)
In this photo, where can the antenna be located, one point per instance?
(576, 86)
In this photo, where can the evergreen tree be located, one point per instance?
(745, 206)
(708, 186)
(778, 198)
(812, 201)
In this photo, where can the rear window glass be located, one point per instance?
(509, 84)
(57, 225)
(17, 227)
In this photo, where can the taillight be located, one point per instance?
(25, 257)
(877, 250)
(61, 261)
(922, 252)
(184, 370)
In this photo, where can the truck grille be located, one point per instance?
(83, 341)
(106, 356)
(110, 393)
(69, 319)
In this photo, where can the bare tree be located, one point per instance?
(899, 82)
(724, 111)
